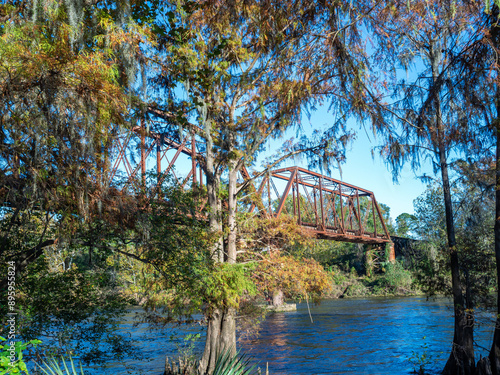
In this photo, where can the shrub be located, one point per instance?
(396, 278)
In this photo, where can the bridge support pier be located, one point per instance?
(392, 252)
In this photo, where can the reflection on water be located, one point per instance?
(348, 336)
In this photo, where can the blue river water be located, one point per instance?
(346, 336)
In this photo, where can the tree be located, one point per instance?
(245, 72)
(405, 224)
(61, 105)
(482, 93)
(432, 121)
(278, 276)
(63, 96)
(474, 238)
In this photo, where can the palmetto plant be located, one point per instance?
(52, 367)
(226, 364)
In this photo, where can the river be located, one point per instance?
(346, 336)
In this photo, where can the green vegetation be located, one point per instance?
(228, 364)
(420, 359)
(52, 367)
(350, 278)
(11, 356)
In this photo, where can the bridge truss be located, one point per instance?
(329, 208)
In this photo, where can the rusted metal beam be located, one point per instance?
(321, 203)
(256, 194)
(351, 223)
(381, 218)
(285, 194)
(121, 154)
(326, 178)
(342, 222)
(158, 162)
(193, 158)
(308, 184)
(374, 217)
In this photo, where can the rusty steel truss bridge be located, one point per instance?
(329, 208)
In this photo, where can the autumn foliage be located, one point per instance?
(271, 232)
(297, 278)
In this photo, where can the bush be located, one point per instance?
(52, 367)
(396, 278)
(226, 364)
(357, 289)
(346, 284)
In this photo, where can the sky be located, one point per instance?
(362, 169)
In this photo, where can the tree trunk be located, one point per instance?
(221, 336)
(228, 331)
(495, 348)
(207, 362)
(278, 298)
(214, 203)
(221, 329)
(483, 367)
(461, 360)
(231, 214)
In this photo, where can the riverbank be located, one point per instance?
(392, 280)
